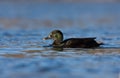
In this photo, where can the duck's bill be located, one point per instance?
(46, 38)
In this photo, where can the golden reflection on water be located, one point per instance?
(64, 53)
(14, 55)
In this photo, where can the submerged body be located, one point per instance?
(57, 36)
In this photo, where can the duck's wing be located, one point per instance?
(75, 40)
(90, 38)
(79, 42)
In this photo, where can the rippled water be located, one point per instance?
(24, 25)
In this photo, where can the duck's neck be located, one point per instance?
(57, 42)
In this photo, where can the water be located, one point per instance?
(24, 25)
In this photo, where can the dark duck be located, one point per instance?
(57, 36)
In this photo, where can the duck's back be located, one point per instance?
(80, 43)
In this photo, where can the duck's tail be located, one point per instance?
(100, 43)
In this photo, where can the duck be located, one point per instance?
(57, 37)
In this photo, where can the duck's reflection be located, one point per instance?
(58, 49)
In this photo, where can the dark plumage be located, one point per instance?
(57, 36)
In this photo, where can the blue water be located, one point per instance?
(24, 25)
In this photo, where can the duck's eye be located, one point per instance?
(55, 35)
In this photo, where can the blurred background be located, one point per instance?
(59, 13)
(24, 24)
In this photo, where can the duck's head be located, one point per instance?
(56, 35)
